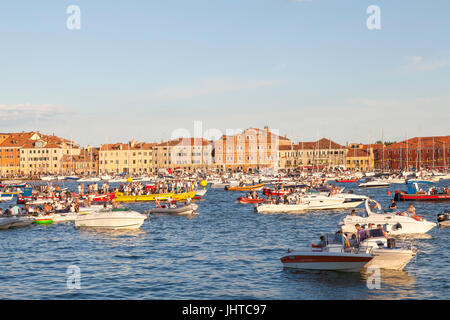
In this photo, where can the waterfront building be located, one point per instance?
(360, 157)
(251, 150)
(183, 154)
(44, 154)
(132, 158)
(415, 153)
(316, 155)
(84, 164)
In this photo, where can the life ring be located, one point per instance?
(417, 218)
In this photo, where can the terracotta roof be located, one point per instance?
(421, 142)
(127, 146)
(185, 142)
(355, 152)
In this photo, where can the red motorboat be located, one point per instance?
(347, 180)
(102, 197)
(403, 196)
(248, 200)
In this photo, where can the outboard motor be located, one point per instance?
(397, 226)
(441, 217)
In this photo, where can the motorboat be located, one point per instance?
(393, 223)
(245, 200)
(182, 210)
(15, 222)
(332, 257)
(444, 219)
(117, 218)
(371, 183)
(120, 197)
(73, 178)
(48, 178)
(90, 179)
(301, 203)
(389, 253)
(255, 187)
(222, 185)
(200, 194)
(415, 193)
(6, 197)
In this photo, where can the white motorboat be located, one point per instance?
(222, 185)
(374, 183)
(48, 178)
(308, 202)
(15, 222)
(118, 218)
(89, 179)
(393, 223)
(6, 197)
(182, 210)
(332, 257)
(388, 253)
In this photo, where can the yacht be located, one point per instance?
(117, 218)
(309, 202)
(393, 223)
(374, 183)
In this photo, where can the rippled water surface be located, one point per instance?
(226, 252)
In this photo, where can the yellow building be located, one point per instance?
(133, 158)
(360, 157)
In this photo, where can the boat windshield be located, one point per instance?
(374, 233)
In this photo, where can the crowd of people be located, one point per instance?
(173, 186)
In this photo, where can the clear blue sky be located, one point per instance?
(141, 69)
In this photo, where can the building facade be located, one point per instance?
(183, 154)
(317, 155)
(248, 151)
(415, 153)
(132, 158)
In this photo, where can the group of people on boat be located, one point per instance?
(353, 240)
(175, 186)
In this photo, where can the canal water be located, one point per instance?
(228, 251)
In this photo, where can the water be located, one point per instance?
(226, 252)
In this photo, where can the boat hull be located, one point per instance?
(185, 210)
(119, 197)
(329, 262)
(110, 220)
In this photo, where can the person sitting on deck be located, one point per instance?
(321, 244)
(410, 212)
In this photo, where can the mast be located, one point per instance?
(432, 166)
(382, 141)
(407, 154)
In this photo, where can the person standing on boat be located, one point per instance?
(393, 205)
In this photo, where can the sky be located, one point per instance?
(145, 69)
